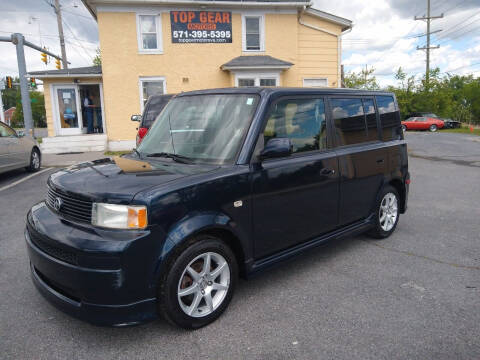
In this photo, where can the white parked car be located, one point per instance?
(17, 151)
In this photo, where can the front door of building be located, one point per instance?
(68, 116)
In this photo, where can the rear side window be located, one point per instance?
(371, 119)
(300, 120)
(153, 108)
(349, 121)
(389, 118)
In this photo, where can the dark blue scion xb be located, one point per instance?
(226, 183)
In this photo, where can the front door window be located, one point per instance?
(67, 107)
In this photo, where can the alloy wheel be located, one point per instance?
(203, 285)
(35, 160)
(388, 212)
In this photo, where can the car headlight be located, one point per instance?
(119, 216)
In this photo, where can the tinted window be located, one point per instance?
(349, 121)
(371, 119)
(389, 118)
(154, 107)
(300, 120)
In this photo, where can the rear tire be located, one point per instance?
(191, 294)
(433, 128)
(404, 128)
(386, 213)
(35, 161)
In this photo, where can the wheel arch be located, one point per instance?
(400, 187)
(186, 231)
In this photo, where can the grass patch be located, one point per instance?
(116, 153)
(463, 130)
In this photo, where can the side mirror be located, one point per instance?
(277, 148)
(136, 118)
(20, 133)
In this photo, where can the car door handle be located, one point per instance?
(326, 172)
(379, 161)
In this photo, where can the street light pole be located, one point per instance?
(19, 40)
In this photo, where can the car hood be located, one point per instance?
(119, 179)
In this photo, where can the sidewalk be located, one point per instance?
(64, 160)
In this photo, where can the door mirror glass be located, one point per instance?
(277, 148)
(136, 118)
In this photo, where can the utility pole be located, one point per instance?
(2, 114)
(428, 19)
(58, 12)
(365, 75)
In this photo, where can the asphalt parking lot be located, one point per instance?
(415, 295)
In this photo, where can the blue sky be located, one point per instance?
(381, 37)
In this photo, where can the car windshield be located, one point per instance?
(201, 128)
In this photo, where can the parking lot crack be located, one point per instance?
(470, 163)
(420, 256)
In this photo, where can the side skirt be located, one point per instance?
(353, 229)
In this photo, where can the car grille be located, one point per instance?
(73, 207)
(52, 250)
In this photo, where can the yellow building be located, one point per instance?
(169, 46)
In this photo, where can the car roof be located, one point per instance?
(279, 91)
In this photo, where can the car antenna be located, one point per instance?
(171, 134)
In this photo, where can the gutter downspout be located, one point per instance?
(339, 52)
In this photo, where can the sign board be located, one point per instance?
(201, 27)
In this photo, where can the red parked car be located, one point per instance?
(422, 123)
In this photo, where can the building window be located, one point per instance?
(246, 82)
(253, 33)
(315, 82)
(268, 82)
(149, 33)
(149, 87)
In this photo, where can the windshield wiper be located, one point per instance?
(138, 154)
(174, 157)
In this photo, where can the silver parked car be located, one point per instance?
(17, 151)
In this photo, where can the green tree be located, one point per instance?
(37, 102)
(9, 96)
(361, 80)
(97, 60)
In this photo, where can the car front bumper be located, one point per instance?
(90, 274)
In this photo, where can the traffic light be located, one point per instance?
(9, 82)
(33, 83)
(44, 58)
(59, 66)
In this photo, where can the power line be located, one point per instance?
(462, 67)
(455, 6)
(71, 32)
(453, 29)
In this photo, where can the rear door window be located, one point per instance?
(300, 120)
(349, 121)
(389, 118)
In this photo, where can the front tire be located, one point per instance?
(386, 213)
(433, 128)
(198, 284)
(35, 161)
(404, 128)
